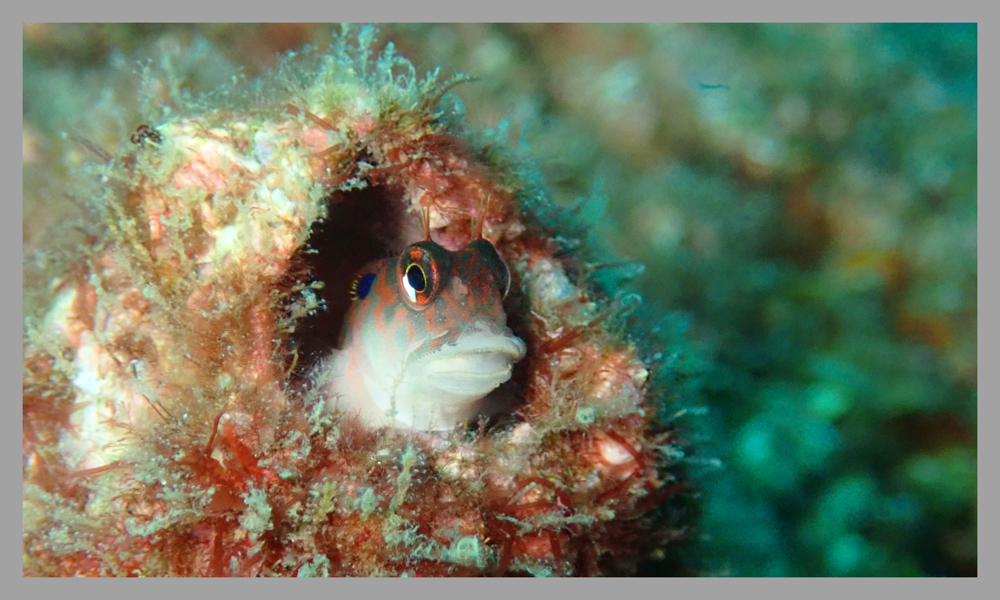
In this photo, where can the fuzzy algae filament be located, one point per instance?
(175, 422)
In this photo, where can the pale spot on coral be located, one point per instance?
(227, 242)
(88, 378)
(61, 318)
(315, 138)
(618, 373)
(364, 124)
(614, 453)
(92, 440)
(155, 228)
(459, 462)
(549, 285)
(198, 174)
(522, 433)
(283, 207)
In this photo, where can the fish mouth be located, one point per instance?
(473, 365)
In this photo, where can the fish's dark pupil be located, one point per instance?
(415, 277)
(364, 285)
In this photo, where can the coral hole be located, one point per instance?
(362, 226)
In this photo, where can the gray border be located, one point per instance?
(615, 11)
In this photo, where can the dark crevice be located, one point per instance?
(363, 225)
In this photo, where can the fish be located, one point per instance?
(426, 338)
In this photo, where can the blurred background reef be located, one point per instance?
(803, 198)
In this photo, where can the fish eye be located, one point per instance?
(419, 272)
(416, 279)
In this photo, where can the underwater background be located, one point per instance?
(803, 198)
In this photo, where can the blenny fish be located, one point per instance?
(426, 338)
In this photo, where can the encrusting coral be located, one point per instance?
(175, 410)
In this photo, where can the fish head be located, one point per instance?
(426, 338)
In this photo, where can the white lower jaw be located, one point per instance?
(434, 392)
(449, 387)
(471, 367)
(457, 387)
(441, 400)
(477, 372)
